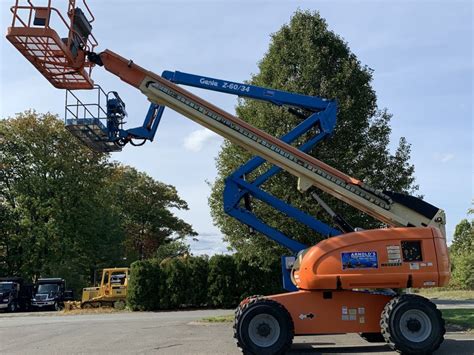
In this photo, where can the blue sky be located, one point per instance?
(421, 53)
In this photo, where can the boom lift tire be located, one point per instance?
(412, 324)
(263, 327)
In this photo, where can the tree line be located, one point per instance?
(67, 211)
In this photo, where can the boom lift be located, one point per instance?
(338, 279)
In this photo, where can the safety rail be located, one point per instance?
(89, 122)
(89, 45)
(62, 60)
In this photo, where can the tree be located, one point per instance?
(66, 211)
(305, 57)
(463, 240)
(145, 207)
(57, 219)
(173, 249)
(462, 254)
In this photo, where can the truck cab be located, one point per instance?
(50, 293)
(15, 294)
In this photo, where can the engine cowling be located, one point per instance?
(378, 258)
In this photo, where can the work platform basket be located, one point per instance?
(91, 122)
(61, 59)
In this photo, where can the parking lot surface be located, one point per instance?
(164, 333)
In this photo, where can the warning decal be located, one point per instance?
(359, 260)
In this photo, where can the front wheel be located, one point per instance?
(263, 326)
(412, 325)
(12, 307)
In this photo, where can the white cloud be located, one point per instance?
(208, 244)
(196, 139)
(444, 157)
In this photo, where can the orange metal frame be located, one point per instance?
(45, 49)
(333, 312)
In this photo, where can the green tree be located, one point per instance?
(145, 207)
(67, 211)
(173, 249)
(53, 188)
(462, 254)
(463, 239)
(305, 57)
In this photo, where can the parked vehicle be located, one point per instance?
(15, 294)
(50, 293)
(112, 291)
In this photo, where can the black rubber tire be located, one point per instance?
(252, 307)
(390, 325)
(12, 307)
(373, 337)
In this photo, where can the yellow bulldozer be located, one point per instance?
(112, 291)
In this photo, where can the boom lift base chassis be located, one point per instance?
(408, 323)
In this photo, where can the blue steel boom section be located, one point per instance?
(319, 114)
(322, 115)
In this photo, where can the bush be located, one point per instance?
(463, 270)
(222, 290)
(144, 288)
(253, 280)
(221, 281)
(198, 271)
(176, 283)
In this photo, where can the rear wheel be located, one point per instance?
(263, 326)
(413, 325)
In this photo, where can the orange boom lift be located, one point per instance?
(348, 283)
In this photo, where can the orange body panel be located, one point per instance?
(48, 53)
(344, 312)
(321, 267)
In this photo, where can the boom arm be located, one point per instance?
(394, 209)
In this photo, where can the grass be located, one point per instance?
(462, 319)
(445, 294)
(228, 318)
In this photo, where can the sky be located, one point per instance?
(421, 53)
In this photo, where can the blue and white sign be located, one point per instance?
(359, 260)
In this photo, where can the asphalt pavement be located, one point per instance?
(164, 333)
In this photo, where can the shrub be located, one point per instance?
(198, 271)
(221, 281)
(222, 290)
(463, 270)
(176, 283)
(254, 280)
(144, 288)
